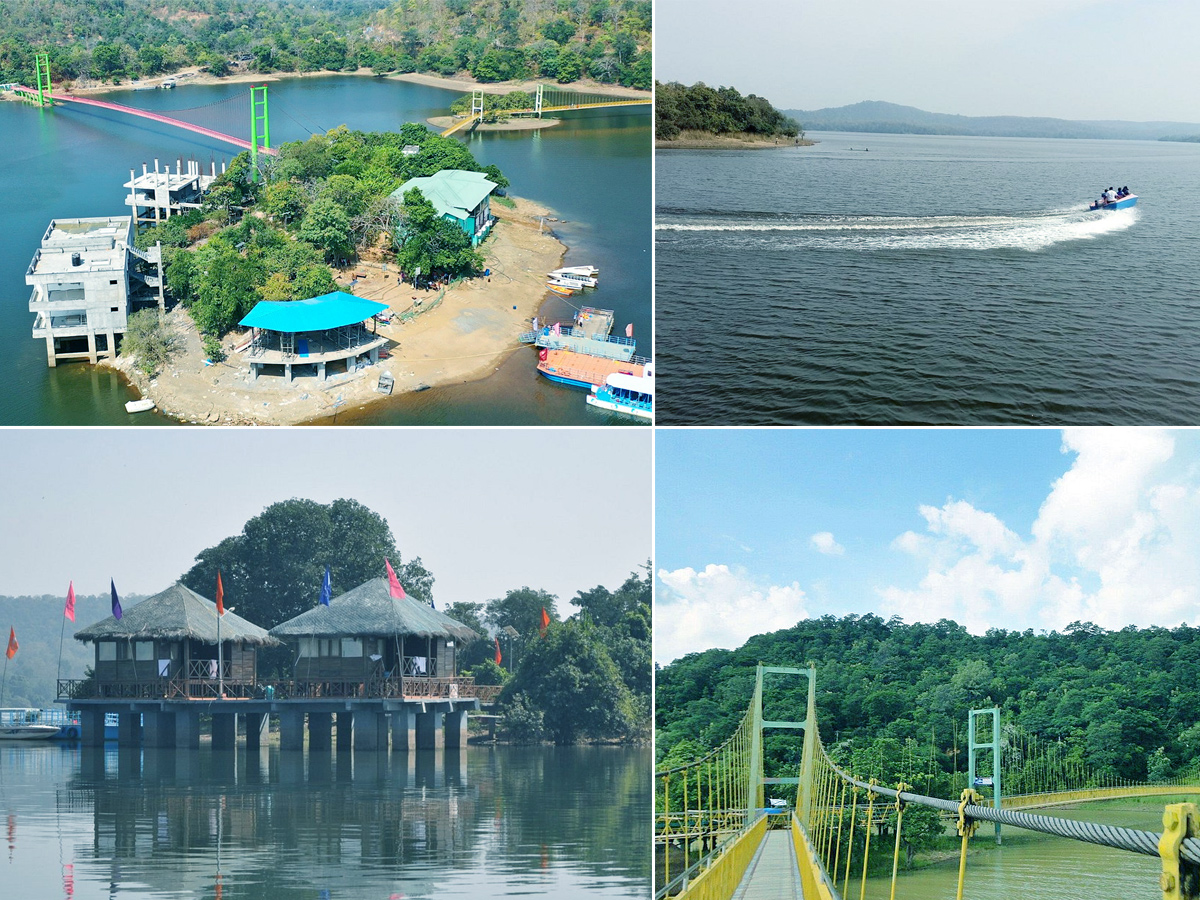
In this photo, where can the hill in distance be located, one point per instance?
(876, 116)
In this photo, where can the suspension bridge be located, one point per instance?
(545, 100)
(717, 838)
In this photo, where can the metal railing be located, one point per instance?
(202, 683)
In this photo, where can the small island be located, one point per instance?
(704, 118)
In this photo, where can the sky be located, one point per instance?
(1132, 60)
(992, 528)
(487, 510)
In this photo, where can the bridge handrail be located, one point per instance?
(710, 865)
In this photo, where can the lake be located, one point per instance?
(570, 822)
(912, 279)
(594, 171)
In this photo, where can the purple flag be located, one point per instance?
(115, 599)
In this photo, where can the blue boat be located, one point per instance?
(629, 394)
(1123, 202)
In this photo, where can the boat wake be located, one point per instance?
(1035, 231)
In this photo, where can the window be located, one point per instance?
(331, 647)
(308, 647)
(352, 647)
(143, 650)
(107, 651)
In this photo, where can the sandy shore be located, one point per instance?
(523, 124)
(701, 140)
(463, 83)
(464, 339)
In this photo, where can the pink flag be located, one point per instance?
(69, 611)
(393, 582)
(629, 330)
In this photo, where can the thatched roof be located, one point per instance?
(370, 609)
(176, 613)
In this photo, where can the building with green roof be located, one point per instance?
(458, 196)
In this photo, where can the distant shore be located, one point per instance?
(464, 338)
(704, 140)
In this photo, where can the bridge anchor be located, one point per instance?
(1180, 879)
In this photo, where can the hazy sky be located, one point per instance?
(1010, 528)
(486, 510)
(1073, 59)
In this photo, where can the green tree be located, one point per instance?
(272, 571)
(570, 677)
(284, 200)
(522, 610)
(149, 340)
(326, 226)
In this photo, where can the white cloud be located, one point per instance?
(1115, 542)
(718, 607)
(823, 542)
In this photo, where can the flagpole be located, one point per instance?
(4, 680)
(61, 632)
(220, 662)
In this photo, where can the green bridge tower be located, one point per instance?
(976, 746)
(260, 128)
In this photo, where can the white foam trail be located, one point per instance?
(1034, 232)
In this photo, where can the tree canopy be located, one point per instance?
(716, 111)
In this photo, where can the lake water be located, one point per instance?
(930, 279)
(594, 171)
(569, 822)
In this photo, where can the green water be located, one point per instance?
(594, 171)
(569, 822)
(1028, 865)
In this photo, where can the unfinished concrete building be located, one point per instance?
(158, 195)
(80, 280)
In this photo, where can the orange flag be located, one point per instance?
(220, 595)
(498, 656)
(13, 646)
(545, 622)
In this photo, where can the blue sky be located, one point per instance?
(1015, 528)
(1072, 59)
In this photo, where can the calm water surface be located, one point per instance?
(487, 822)
(945, 280)
(593, 171)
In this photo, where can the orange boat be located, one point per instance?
(583, 371)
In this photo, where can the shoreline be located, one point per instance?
(701, 140)
(522, 124)
(462, 339)
(462, 84)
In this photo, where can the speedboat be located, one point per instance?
(1124, 202)
(570, 279)
(25, 725)
(629, 394)
(589, 271)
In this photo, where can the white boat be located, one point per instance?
(24, 725)
(567, 276)
(137, 406)
(590, 271)
(629, 394)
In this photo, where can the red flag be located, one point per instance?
(498, 656)
(69, 611)
(393, 582)
(545, 622)
(220, 595)
(629, 330)
(13, 646)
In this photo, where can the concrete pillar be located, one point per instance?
(291, 730)
(224, 731)
(257, 729)
(187, 729)
(455, 764)
(287, 372)
(51, 357)
(320, 730)
(370, 730)
(91, 723)
(456, 728)
(129, 731)
(158, 729)
(291, 765)
(254, 371)
(112, 341)
(404, 724)
(345, 730)
(91, 346)
(429, 731)
(321, 370)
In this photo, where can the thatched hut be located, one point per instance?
(367, 636)
(167, 646)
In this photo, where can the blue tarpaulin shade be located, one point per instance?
(331, 310)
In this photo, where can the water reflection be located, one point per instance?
(571, 822)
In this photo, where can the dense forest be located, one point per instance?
(584, 677)
(492, 40)
(700, 108)
(892, 698)
(320, 202)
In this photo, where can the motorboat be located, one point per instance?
(574, 279)
(25, 725)
(629, 394)
(137, 406)
(1120, 201)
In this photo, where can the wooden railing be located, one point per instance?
(206, 687)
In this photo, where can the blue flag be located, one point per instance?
(116, 601)
(326, 589)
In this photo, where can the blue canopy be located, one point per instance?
(331, 310)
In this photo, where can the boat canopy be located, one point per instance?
(332, 310)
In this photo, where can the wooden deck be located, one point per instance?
(585, 368)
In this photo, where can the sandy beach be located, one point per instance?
(702, 140)
(524, 124)
(463, 339)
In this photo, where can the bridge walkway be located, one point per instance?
(773, 873)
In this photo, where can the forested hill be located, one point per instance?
(700, 108)
(492, 40)
(890, 118)
(1112, 697)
